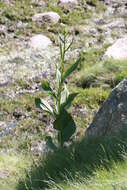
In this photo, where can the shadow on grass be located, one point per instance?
(82, 158)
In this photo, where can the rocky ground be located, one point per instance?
(29, 48)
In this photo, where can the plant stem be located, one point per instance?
(62, 71)
(62, 57)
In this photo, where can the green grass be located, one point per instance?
(92, 97)
(115, 179)
(14, 166)
(29, 126)
(25, 101)
(75, 17)
(96, 72)
(20, 10)
(92, 164)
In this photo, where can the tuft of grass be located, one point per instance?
(75, 17)
(92, 56)
(120, 76)
(92, 97)
(97, 73)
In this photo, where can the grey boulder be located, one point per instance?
(118, 50)
(39, 42)
(46, 18)
(112, 116)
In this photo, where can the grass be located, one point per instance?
(25, 105)
(30, 124)
(92, 164)
(92, 97)
(13, 165)
(75, 17)
(23, 11)
(115, 179)
(20, 10)
(96, 72)
(89, 165)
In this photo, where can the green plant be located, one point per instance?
(63, 121)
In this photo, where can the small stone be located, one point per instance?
(6, 1)
(47, 17)
(100, 21)
(7, 128)
(21, 25)
(4, 174)
(117, 23)
(2, 125)
(93, 31)
(39, 42)
(4, 80)
(3, 29)
(17, 113)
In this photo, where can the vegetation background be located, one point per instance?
(93, 165)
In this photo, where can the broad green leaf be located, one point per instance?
(58, 76)
(69, 100)
(45, 108)
(37, 102)
(71, 69)
(44, 105)
(45, 85)
(64, 94)
(65, 124)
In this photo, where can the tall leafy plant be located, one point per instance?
(63, 121)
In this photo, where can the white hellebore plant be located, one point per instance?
(63, 121)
